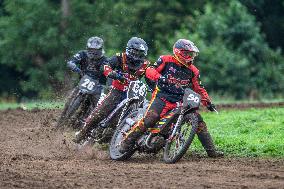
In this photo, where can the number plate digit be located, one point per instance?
(85, 83)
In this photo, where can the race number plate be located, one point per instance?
(191, 98)
(88, 84)
(137, 89)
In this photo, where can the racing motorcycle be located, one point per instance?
(102, 132)
(83, 99)
(174, 132)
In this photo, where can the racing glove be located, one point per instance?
(74, 68)
(211, 107)
(116, 76)
(77, 70)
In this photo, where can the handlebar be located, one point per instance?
(215, 110)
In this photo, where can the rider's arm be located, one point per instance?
(197, 87)
(75, 62)
(109, 66)
(154, 72)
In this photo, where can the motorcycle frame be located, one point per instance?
(122, 105)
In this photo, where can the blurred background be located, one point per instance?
(241, 42)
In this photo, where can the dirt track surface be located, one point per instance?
(34, 155)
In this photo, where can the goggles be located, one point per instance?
(188, 54)
(95, 51)
(135, 53)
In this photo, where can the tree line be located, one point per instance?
(240, 41)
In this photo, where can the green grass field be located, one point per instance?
(32, 105)
(247, 133)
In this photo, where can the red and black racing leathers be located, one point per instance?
(119, 63)
(167, 95)
(178, 76)
(118, 90)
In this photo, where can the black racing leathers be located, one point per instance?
(171, 78)
(81, 64)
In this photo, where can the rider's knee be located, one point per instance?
(151, 118)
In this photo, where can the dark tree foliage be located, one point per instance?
(271, 16)
(240, 41)
(236, 58)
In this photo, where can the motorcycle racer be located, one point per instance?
(90, 62)
(173, 73)
(122, 68)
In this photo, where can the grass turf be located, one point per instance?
(32, 105)
(246, 133)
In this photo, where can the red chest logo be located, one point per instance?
(174, 80)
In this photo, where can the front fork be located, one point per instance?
(176, 128)
(128, 103)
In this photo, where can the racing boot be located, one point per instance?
(130, 139)
(207, 143)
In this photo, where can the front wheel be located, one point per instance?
(176, 147)
(70, 110)
(118, 136)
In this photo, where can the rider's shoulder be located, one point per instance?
(118, 56)
(82, 53)
(115, 57)
(167, 58)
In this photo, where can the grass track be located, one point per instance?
(32, 105)
(247, 133)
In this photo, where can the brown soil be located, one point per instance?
(34, 155)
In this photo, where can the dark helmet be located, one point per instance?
(95, 48)
(185, 51)
(136, 52)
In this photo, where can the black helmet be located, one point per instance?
(95, 48)
(136, 52)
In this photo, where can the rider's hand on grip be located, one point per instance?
(78, 70)
(117, 76)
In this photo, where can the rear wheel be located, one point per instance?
(119, 136)
(176, 147)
